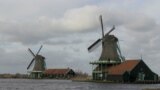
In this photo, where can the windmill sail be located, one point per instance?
(101, 21)
(120, 53)
(94, 45)
(39, 49)
(30, 64)
(31, 52)
(111, 30)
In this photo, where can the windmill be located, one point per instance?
(39, 64)
(110, 46)
(110, 54)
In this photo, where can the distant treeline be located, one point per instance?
(17, 75)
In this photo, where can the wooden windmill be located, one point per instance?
(39, 64)
(110, 54)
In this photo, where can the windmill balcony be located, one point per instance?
(97, 71)
(105, 62)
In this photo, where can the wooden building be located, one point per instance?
(131, 71)
(59, 73)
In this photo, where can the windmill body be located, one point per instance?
(39, 65)
(109, 49)
(110, 55)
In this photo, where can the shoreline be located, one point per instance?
(137, 82)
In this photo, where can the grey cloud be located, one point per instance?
(131, 21)
(62, 41)
(66, 31)
(13, 62)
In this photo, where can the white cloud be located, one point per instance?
(81, 18)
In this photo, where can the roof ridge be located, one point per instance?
(127, 65)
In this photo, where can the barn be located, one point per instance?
(131, 71)
(65, 73)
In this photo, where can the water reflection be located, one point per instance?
(24, 84)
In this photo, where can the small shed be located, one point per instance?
(131, 71)
(59, 73)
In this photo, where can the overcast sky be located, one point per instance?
(67, 27)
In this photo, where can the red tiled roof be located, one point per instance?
(127, 65)
(57, 71)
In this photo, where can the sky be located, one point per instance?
(66, 28)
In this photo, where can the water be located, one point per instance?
(28, 84)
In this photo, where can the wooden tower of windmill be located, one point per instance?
(39, 65)
(111, 54)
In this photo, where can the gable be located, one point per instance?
(142, 67)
